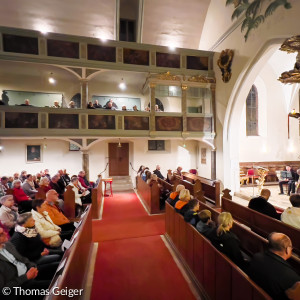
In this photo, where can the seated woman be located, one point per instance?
(29, 244)
(191, 215)
(82, 195)
(18, 271)
(174, 196)
(51, 234)
(181, 204)
(45, 184)
(28, 186)
(226, 241)
(24, 202)
(8, 213)
(205, 224)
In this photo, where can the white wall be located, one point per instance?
(55, 156)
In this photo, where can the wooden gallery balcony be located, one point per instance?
(65, 122)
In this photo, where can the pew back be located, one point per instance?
(77, 257)
(215, 275)
(97, 197)
(261, 224)
(210, 188)
(150, 195)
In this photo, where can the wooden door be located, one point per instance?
(118, 159)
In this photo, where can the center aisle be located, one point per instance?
(132, 260)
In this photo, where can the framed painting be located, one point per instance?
(33, 153)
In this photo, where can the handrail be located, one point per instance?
(132, 167)
(104, 169)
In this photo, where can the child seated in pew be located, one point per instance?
(174, 196)
(226, 241)
(181, 205)
(191, 215)
(205, 224)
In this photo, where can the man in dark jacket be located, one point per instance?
(262, 205)
(271, 271)
(158, 173)
(17, 271)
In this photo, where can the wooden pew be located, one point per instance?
(213, 273)
(149, 195)
(195, 188)
(166, 185)
(210, 188)
(77, 260)
(261, 224)
(97, 197)
(250, 242)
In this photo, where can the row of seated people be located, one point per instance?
(269, 270)
(144, 173)
(290, 216)
(30, 243)
(25, 188)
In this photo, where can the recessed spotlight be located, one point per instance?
(52, 80)
(172, 47)
(122, 85)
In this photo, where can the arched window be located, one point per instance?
(252, 112)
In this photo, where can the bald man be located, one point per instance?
(262, 205)
(271, 271)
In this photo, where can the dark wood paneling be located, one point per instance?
(203, 124)
(20, 44)
(197, 63)
(167, 60)
(136, 123)
(102, 122)
(21, 120)
(63, 121)
(118, 159)
(59, 48)
(241, 289)
(198, 266)
(135, 57)
(168, 123)
(209, 270)
(101, 53)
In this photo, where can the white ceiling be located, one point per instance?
(165, 22)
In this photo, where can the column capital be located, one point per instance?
(184, 87)
(152, 85)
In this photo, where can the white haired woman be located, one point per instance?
(8, 213)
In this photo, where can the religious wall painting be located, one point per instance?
(102, 122)
(101, 53)
(202, 124)
(60, 48)
(135, 57)
(33, 153)
(167, 60)
(168, 123)
(197, 63)
(136, 123)
(63, 121)
(21, 120)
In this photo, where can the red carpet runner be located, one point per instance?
(133, 262)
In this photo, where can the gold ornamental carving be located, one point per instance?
(152, 85)
(224, 63)
(202, 79)
(167, 76)
(291, 45)
(184, 87)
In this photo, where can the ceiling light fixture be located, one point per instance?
(122, 85)
(51, 79)
(119, 145)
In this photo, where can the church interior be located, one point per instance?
(204, 92)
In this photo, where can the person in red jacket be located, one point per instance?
(24, 202)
